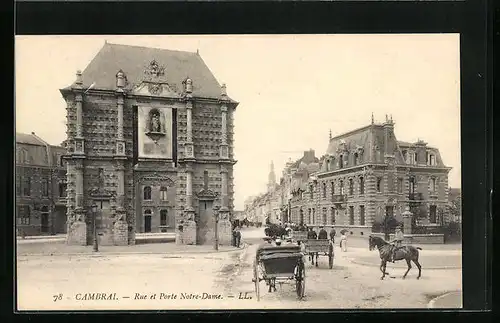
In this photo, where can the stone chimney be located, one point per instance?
(389, 138)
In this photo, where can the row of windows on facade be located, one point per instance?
(333, 215)
(23, 157)
(433, 218)
(163, 216)
(24, 213)
(362, 186)
(147, 196)
(24, 187)
(409, 158)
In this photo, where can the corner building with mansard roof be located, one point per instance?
(150, 147)
(367, 174)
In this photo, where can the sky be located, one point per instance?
(292, 89)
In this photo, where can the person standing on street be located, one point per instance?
(343, 241)
(332, 235)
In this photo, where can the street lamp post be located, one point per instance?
(94, 216)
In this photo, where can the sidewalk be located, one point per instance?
(140, 238)
(61, 249)
(448, 300)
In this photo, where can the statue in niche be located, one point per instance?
(155, 125)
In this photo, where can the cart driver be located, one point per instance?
(322, 234)
(311, 234)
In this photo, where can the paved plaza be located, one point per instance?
(54, 276)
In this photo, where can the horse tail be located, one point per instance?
(418, 248)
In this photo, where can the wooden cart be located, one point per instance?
(315, 247)
(283, 263)
(298, 236)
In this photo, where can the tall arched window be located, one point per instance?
(355, 159)
(341, 187)
(379, 184)
(147, 193)
(332, 214)
(361, 185)
(324, 190)
(412, 185)
(433, 185)
(163, 217)
(163, 193)
(341, 161)
(351, 187)
(44, 187)
(333, 188)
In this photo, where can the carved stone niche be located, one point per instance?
(207, 195)
(155, 126)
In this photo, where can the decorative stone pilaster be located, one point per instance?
(79, 187)
(120, 93)
(224, 190)
(223, 148)
(189, 192)
(407, 221)
(189, 145)
(79, 148)
(77, 230)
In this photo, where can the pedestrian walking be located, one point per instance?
(332, 235)
(343, 241)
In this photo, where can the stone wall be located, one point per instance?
(417, 238)
(77, 234)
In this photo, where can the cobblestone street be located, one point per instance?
(172, 273)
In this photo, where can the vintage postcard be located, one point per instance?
(238, 172)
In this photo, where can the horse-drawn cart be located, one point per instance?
(314, 247)
(279, 263)
(299, 236)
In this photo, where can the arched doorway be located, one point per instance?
(147, 220)
(44, 221)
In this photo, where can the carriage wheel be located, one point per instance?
(300, 281)
(256, 281)
(330, 256)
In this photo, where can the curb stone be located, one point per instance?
(100, 254)
(433, 301)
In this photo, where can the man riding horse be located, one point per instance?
(397, 243)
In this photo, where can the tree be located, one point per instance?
(455, 208)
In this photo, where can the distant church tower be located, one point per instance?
(271, 184)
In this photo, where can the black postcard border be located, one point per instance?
(469, 18)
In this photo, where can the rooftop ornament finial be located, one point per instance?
(79, 80)
(373, 120)
(189, 85)
(386, 118)
(223, 90)
(330, 134)
(120, 79)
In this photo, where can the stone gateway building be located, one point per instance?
(150, 146)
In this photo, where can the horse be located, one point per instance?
(408, 253)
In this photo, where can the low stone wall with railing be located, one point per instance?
(417, 238)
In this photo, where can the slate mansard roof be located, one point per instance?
(29, 139)
(134, 60)
(361, 138)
